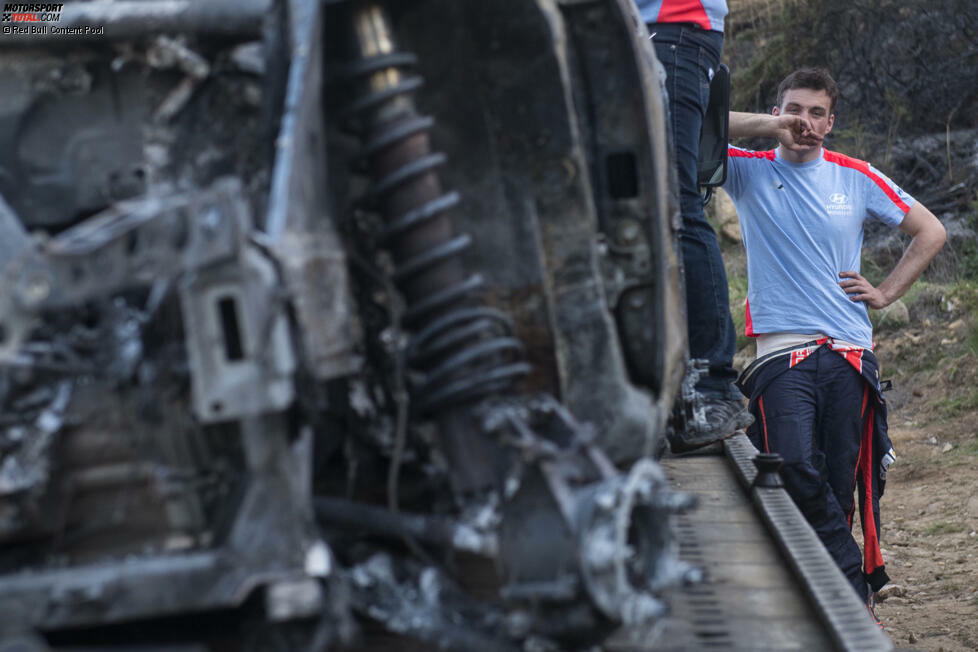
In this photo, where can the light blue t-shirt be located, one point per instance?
(803, 224)
(708, 14)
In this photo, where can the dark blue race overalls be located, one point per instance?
(822, 410)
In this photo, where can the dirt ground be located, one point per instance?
(930, 508)
(930, 514)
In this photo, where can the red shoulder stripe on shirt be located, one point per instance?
(684, 11)
(863, 166)
(749, 153)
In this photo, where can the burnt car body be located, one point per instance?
(316, 314)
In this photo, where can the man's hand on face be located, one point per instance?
(795, 133)
(859, 289)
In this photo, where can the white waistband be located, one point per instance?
(771, 342)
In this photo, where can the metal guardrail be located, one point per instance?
(846, 617)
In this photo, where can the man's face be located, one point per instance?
(812, 105)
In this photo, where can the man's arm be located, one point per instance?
(792, 131)
(928, 237)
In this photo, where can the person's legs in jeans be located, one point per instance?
(690, 56)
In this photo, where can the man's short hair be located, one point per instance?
(816, 79)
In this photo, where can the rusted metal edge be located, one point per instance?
(847, 619)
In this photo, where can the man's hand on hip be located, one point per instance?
(927, 237)
(859, 289)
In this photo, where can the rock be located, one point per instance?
(927, 305)
(249, 57)
(727, 216)
(911, 638)
(947, 447)
(960, 235)
(898, 340)
(890, 591)
(884, 246)
(744, 357)
(894, 315)
(955, 325)
(731, 231)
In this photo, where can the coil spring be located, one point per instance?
(465, 351)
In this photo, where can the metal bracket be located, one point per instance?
(238, 340)
(133, 244)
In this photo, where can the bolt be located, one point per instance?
(605, 499)
(644, 491)
(518, 623)
(693, 575)
(601, 553)
(768, 465)
(211, 222)
(628, 232)
(36, 290)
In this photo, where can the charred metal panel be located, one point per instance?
(621, 110)
(330, 244)
(142, 499)
(524, 471)
(528, 198)
(301, 223)
(70, 147)
(314, 264)
(13, 235)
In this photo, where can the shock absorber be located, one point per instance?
(465, 350)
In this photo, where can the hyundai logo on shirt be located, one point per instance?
(838, 204)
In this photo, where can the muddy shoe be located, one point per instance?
(719, 419)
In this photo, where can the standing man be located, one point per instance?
(688, 39)
(814, 389)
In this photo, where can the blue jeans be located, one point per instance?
(689, 55)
